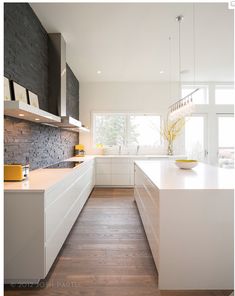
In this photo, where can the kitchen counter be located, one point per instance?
(43, 179)
(188, 219)
(165, 175)
(38, 216)
(135, 156)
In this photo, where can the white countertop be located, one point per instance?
(134, 156)
(42, 179)
(165, 175)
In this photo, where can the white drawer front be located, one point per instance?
(120, 168)
(54, 245)
(103, 180)
(103, 168)
(60, 207)
(103, 160)
(122, 180)
(56, 190)
(122, 160)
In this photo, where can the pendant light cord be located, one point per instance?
(179, 19)
(194, 46)
(179, 53)
(170, 68)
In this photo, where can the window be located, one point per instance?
(195, 137)
(125, 129)
(200, 97)
(144, 130)
(224, 95)
(225, 141)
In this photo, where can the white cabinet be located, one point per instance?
(119, 170)
(103, 171)
(103, 180)
(38, 222)
(112, 171)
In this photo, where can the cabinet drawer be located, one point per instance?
(103, 179)
(62, 205)
(121, 160)
(122, 180)
(120, 168)
(103, 168)
(103, 160)
(61, 186)
(55, 243)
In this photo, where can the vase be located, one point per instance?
(170, 148)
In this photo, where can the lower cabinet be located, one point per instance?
(113, 171)
(38, 222)
(147, 199)
(117, 171)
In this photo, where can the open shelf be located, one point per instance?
(27, 112)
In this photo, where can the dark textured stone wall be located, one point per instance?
(72, 93)
(26, 50)
(26, 62)
(42, 145)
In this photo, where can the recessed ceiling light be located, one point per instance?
(98, 72)
(161, 72)
(21, 114)
(37, 119)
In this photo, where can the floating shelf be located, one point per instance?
(76, 129)
(27, 112)
(84, 129)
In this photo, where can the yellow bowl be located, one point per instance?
(186, 164)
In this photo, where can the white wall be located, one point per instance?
(150, 97)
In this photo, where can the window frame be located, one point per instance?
(127, 114)
(224, 86)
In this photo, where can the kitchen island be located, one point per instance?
(188, 219)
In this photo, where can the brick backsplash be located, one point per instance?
(42, 145)
(26, 62)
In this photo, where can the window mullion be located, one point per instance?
(127, 129)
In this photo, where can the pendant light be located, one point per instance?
(184, 105)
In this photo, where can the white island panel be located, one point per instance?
(192, 245)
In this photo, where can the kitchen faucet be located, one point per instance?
(137, 149)
(119, 149)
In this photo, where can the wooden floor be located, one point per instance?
(106, 254)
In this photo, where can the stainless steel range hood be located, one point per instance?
(57, 82)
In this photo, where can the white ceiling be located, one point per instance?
(130, 41)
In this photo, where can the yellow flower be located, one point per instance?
(172, 128)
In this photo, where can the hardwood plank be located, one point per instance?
(105, 254)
